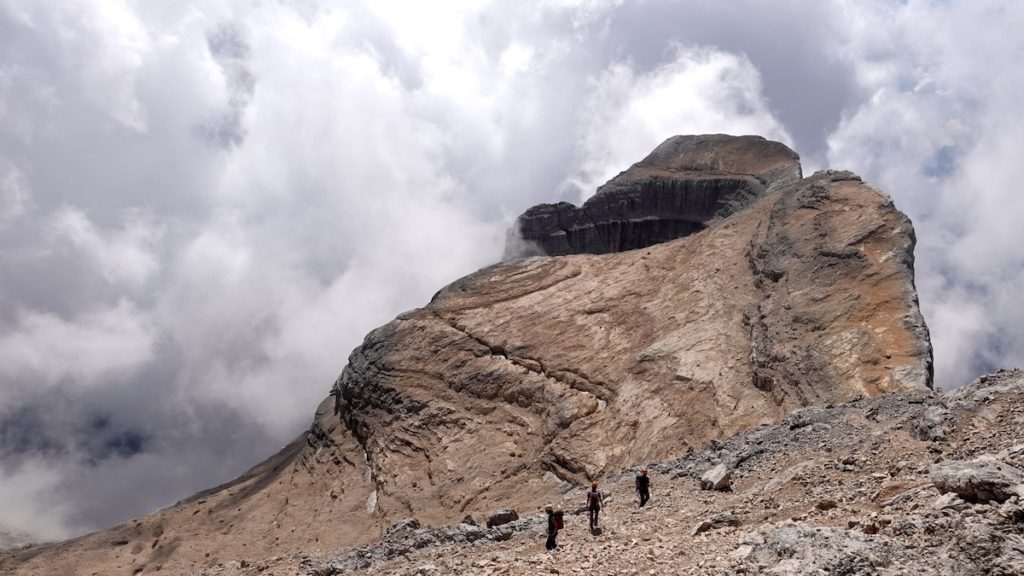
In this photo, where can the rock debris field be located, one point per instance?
(923, 483)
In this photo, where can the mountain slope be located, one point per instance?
(858, 488)
(528, 377)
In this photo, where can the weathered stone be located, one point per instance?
(800, 549)
(984, 479)
(718, 478)
(930, 426)
(827, 504)
(949, 501)
(715, 523)
(501, 517)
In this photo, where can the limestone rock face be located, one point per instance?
(529, 377)
(686, 184)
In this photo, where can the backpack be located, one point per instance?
(558, 521)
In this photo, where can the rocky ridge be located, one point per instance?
(527, 378)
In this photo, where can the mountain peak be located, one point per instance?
(683, 186)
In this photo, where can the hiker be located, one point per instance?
(555, 523)
(595, 500)
(643, 487)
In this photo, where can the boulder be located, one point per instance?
(930, 425)
(985, 479)
(502, 517)
(718, 478)
(716, 522)
(402, 528)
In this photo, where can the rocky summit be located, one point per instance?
(707, 292)
(685, 185)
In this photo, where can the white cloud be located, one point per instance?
(42, 349)
(941, 132)
(26, 497)
(700, 90)
(15, 196)
(126, 255)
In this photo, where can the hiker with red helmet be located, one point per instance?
(595, 500)
(643, 487)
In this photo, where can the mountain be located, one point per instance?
(711, 290)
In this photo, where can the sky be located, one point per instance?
(205, 205)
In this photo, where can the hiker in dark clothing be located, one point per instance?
(595, 500)
(643, 487)
(554, 525)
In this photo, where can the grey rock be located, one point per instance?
(984, 479)
(799, 549)
(930, 426)
(716, 522)
(402, 527)
(407, 536)
(949, 501)
(718, 478)
(502, 517)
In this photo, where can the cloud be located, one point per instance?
(698, 90)
(122, 256)
(21, 493)
(45, 349)
(15, 198)
(205, 206)
(940, 130)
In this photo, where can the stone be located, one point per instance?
(930, 426)
(402, 527)
(985, 479)
(949, 501)
(717, 478)
(716, 522)
(501, 517)
(827, 504)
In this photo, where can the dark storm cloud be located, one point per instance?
(204, 206)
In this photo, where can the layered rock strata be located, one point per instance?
(682, 187)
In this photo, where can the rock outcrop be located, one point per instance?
(685, 185)
(529, 377)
